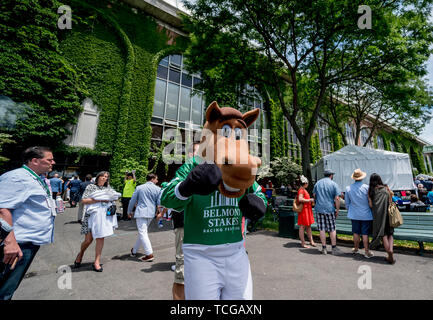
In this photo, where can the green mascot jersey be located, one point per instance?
(209, 220)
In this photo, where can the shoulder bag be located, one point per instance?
(395, 218)
(297, 207)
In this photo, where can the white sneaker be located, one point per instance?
(368, 254)
(173, 267)
(324, 251)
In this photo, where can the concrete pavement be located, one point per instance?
(281, 269)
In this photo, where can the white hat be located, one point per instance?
(303, 179)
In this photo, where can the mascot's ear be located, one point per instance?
(213, 112)
(251, 116)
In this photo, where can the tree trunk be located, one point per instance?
(306, 168)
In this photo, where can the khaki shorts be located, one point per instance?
(178, 272)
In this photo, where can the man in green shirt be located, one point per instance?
(128, 190)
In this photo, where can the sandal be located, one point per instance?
(77, 264)
(97, 270)
(305, 246)
(313, 244)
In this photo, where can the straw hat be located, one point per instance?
(358, 175)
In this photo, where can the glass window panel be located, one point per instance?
(174, 76)
(257, 104)
(364, 136)
(196, 81)
(185, 104)
(156, 120)
(172, 101)
(176, 59)
(159, 100)
(161, 72)
(186, 80)
(380, 144)
(196, 109)
(164, 62)
(156, 132)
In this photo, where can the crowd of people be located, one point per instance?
(28, 210)
(367, 207)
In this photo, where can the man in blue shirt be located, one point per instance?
(56, 185)
(326, 194)
(147, 199)
(359, 211)
(74, 196)
(27, 205)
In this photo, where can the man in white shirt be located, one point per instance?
(27, 205)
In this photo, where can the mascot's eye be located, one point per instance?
(226, 130)
(238, 133)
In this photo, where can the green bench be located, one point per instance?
(417, 226)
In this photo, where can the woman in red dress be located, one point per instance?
(305, 217)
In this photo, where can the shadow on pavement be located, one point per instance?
(312, 251)
(86, 266)
(72, 222)
(292, 245)
(127, 257)
(131, 225)
(161, 266)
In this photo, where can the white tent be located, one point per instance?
(393, 167)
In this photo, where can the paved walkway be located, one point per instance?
(281, 269)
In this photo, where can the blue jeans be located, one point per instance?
(11, 279)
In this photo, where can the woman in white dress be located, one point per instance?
(96, 224)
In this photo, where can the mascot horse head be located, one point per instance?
(224, 142)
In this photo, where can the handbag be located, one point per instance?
(395, 217)
(111, 210)
(297, 207)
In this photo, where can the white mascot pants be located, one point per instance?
(220, 272)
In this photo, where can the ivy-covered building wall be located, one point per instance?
(117, 49)
(110, 55)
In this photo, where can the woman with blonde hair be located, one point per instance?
(305, 217)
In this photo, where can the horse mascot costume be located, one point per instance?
(216, 189)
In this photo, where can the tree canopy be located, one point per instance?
(294, 51)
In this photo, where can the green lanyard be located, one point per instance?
(42, 183)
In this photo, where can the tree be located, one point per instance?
(295, 50)
(284, 170)
(405, 106)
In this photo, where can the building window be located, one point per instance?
(177, 102)
(325, 142)
(380, 144)
(84, 132)
(350, 134)
(365, 133)
(250, 99)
